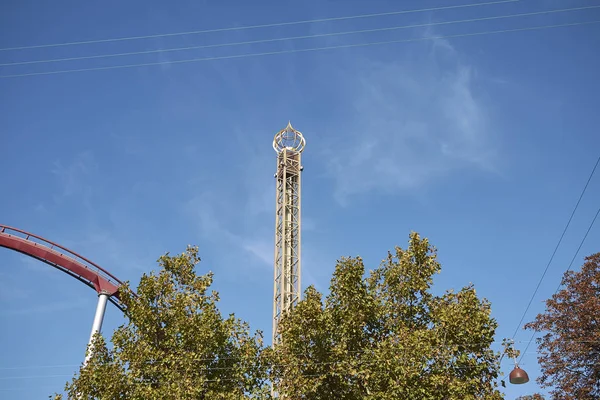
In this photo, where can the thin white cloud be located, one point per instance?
(47, 308)
(238, 214)
(114, 251)
(413, 120)
(262, 249)
(34, 265)
(208, 210)
(74, 179)
(221, 220)
(10, 292)
(308, 224)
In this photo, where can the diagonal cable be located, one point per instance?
(237, 28)
(568, 269)
(346, 46)
(556, 248)
(173, 49)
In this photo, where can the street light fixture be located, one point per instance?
(517, 376)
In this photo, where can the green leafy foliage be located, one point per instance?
(509, 349)
(387, 336)
(175, 345)
(535, 396)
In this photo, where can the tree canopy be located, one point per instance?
(378, 335)
(535, 396)
(569, 350)
(175, 345)
(386, 336)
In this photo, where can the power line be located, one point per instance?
(230, 368)
(35, 376)
(568, 269)
(579, 248)
(304, 363)
(41, 366)
(26, 388)
(556, 248)
(259, 26)
(351, 352)
(398, 27)
(300, 50)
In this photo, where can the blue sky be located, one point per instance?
(480, 143)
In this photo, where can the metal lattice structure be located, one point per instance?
(288, 143)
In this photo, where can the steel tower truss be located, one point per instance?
(288, 144)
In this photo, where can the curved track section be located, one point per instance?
(62, 259)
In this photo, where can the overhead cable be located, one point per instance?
(276, 24)
(568, 269)
(346, 46)
(556, 248)
(173, 49)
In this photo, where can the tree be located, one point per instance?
(535, 396)
(386, 336)
(175, 345)
(569, 351)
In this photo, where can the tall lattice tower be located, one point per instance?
(288, 143)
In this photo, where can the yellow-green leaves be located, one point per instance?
(380, 337)
(176, 344)
(387, 337)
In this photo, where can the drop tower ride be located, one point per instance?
(288, 144)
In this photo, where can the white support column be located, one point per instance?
(98, 318)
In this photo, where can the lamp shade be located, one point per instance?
(518, 376)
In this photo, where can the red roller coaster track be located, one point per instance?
(62, 259)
